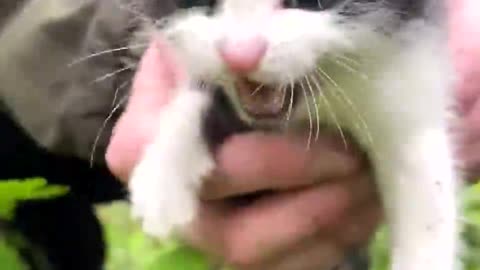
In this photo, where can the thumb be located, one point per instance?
(153, 85)
(158, 75)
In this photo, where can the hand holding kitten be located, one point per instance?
(465, 41)
(299, 218)
(326, 218)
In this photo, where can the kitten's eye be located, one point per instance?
(310, 4)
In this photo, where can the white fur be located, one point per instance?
(165, 183)
(395, 104)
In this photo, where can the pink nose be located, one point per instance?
(243, 56)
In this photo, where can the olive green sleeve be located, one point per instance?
(59, 105)
(64, 106)
(8, 9)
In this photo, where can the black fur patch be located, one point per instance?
(221, 121)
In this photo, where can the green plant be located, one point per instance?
(11, 193)
(16, 190)
(471, 229)
(130, 249)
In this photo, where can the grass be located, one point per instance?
(129, 249)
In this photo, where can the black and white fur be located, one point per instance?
(378, 69)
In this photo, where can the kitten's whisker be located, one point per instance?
(319, 3)
(317, 108)
(130, 8)
(346, 66)
(102, 128)
(340, 96)
(120, 87)
(283, 89)
(330, 110)
(113, 73)
(364, 125)
(85, 58)
(290, 105)
(310, 120)
(260, 87)
(347, 59)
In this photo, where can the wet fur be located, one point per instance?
(384, 75)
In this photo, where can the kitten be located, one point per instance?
(377, 70)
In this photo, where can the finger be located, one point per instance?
(151, 89)
(465, 43)
(212, 231)
(159, 74)
(470, 160)
(358, 229)
(471, 122)
(275, 223)
(313, 253)
(255, 161)
(207, 231)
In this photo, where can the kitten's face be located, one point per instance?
(267, 46)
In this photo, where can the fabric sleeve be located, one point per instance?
(62, 106)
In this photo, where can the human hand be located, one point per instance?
(297, 224)
(321, 204)
(465, 41)
(310, 218)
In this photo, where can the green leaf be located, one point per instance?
(145, 254)
(15, 190)
(176, 256)
(9, 258)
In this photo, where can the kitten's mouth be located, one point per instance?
(263, 101)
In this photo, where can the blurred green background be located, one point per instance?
(129, 249)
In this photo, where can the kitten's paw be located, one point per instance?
(162, 200)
